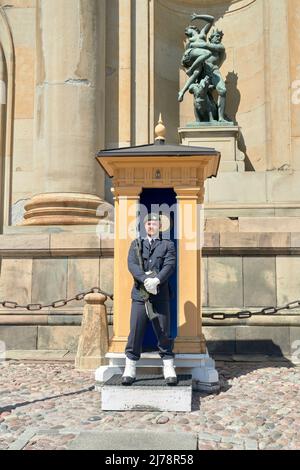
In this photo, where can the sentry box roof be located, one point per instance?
(157, 151)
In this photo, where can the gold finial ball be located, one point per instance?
(160, 130)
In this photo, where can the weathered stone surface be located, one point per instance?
(259, 281)
(269, 224)
(49, 280)
(107, 246)
(27, 319)
(58, 337)
(94, 336)
(64, 243)
(216, 224)
(24, 145)
(220, 340)
(36, 355)
(204, 271)
(281, 184)
(275, 240)
(224, 138)
(211, 240)
(19, 337)
(25, 91)
(239, 210)
(83, 274)
(19, 3)
(263, 340)
(64, 319)
(225, 287)
(287, 278)
(238, 240)
(16, 280)
(21, 243)
(248, 187)
(137, 440)
(295, 342)
(107, 277)
(295, 240)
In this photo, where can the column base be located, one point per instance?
(63, 209)
(200, 366)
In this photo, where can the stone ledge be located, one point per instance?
(29, 319)
(40, 355)
(55, 244)
(66, 244)
(259, 320)
(25, 245)
(251, 242)
(244, 224)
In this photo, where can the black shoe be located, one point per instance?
(127, 380)
(171, 381)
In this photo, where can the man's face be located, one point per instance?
(152, 227)
(216, 39)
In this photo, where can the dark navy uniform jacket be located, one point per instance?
(162, 258)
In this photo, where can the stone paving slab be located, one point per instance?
(22, 440)
(134, 440)
(257, 407)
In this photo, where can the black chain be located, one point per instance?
(244, 314)
(57, 304)
(241, 315)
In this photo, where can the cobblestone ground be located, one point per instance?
(45, 405)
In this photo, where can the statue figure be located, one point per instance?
(204, 106)
(203, 58)
(196, 51)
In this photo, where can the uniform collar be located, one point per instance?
(152, 238)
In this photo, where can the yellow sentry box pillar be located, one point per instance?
(183, 169)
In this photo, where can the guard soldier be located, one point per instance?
(151, 261)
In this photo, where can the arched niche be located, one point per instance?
(244, 25)
(146, 81)
(170, 20)
(7, 72)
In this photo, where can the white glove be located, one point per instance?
(151, 284)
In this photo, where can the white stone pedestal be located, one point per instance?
(200, 366)
(147, 393)
(223, 138)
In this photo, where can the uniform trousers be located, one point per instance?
(161, 326)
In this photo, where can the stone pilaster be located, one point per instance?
(126, 211)
(189, 337)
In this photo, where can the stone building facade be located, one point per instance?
(80, 75)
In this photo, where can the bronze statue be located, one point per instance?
(202, 60)
(204, 106)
